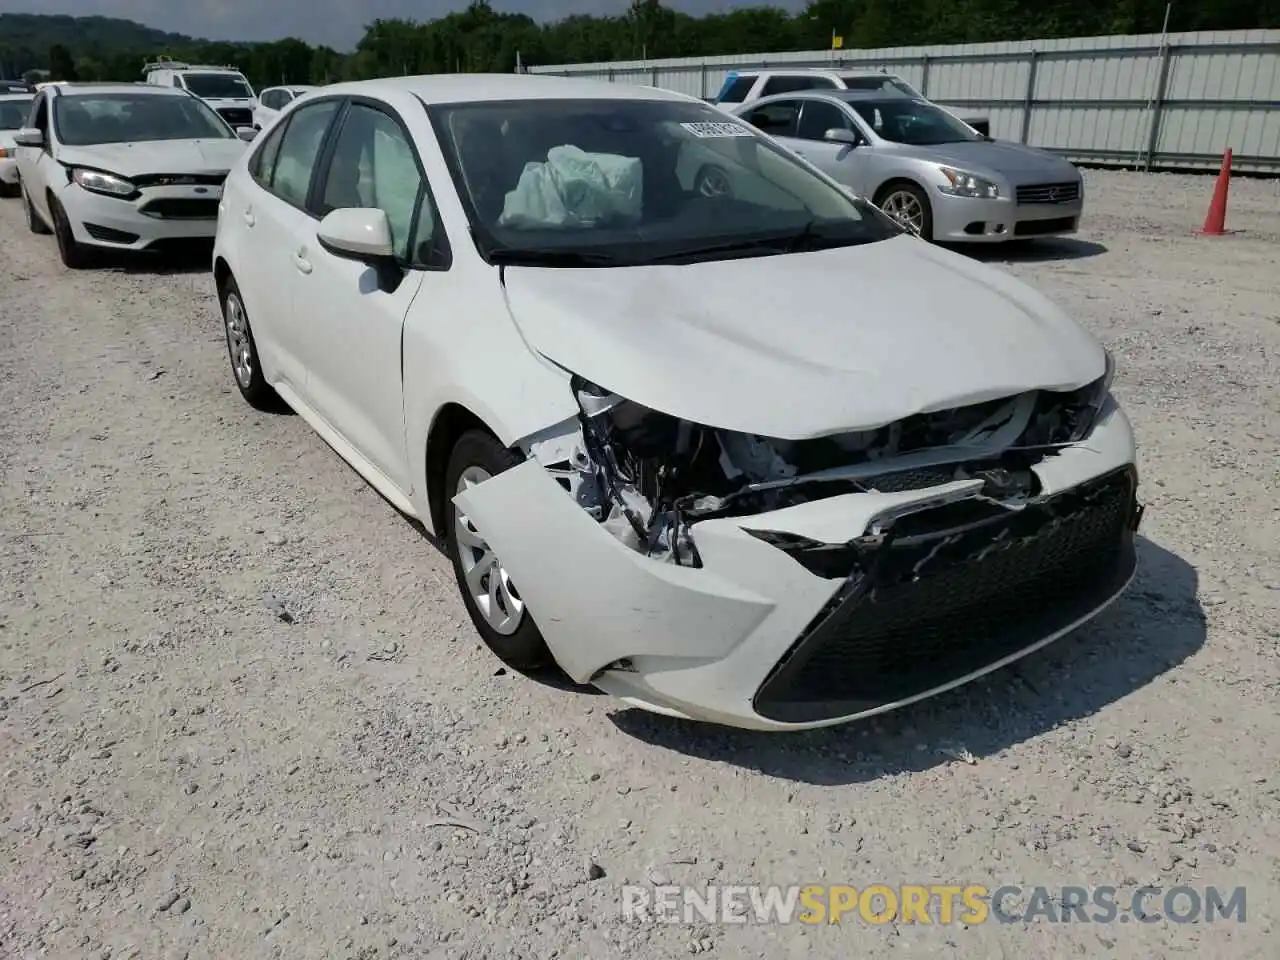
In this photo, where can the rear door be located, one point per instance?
(840, 161)
(271, 221)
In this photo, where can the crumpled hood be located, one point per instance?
(1014, 161)
(804, 345)
(157, 156)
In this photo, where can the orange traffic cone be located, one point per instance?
(1216, 221)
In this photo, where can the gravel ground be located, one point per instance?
(185, 772)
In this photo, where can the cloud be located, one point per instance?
(339, 23)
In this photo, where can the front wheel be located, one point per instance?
(907, 204)
(491, 598)
(34, 223)
(74, 254)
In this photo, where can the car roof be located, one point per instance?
(16, 94)
(815, 72)
(89, 89)
(847, 96)
(489, 87)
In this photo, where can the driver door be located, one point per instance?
(36, 164)
(354, 311)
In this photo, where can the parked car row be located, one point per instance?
(755, 455)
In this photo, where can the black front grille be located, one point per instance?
(1038, 228)
(935, 605)
(182, 208)
(236, 116)
(1048, 193)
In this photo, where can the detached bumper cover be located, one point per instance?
(767, 636)
(932, 607)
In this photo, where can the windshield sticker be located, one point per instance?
(715, 128)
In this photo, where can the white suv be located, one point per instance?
(745, 87)
(224, 88)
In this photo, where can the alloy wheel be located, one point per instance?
(486, 580)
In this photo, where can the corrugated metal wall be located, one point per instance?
(1130, 100)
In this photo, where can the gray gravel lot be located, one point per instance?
(185, 774)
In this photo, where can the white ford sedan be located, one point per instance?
(123, 166)
(764, 460)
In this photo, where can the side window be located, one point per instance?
(374, 165)
(39, 117)
(737, 91)
(263, 162)
(299, 148)
(283, 97)
(791, 84)
(177, 81)
(268, 99)
(776, 119)
(819, 116)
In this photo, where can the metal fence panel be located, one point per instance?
(1172, 102)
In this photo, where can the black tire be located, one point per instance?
(75, 256)
(34, 223)
(524, 649)
(9, 189)
(242, 351)
(903, 187)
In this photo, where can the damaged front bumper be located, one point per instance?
(809, 616)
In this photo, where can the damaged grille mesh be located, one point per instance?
(898, 640)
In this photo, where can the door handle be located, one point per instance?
(249, 219)
(301, 262)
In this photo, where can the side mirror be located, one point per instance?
(29, 137)
(246, 134)
(357, 233)
(840, 135)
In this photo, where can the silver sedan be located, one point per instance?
(933, 173)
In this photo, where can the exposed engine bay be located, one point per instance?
(649, 477)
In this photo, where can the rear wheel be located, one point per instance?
(492, 600)
(243, 351)
(34, 223)
(73, 253)
(712, 181)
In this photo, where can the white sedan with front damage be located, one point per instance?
(761, 459)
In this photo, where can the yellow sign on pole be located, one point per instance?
(837, 43)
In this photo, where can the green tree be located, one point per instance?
(62, 66)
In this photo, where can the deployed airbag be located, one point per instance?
(574, 187)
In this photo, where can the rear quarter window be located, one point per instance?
(736, 91)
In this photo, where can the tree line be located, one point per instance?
(481, 39)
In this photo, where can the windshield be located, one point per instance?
(218, 86)
(618, 182)
(880, 84)
(913, 122)
(14, 112)
(89, 119)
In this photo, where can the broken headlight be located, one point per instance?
(1093, 397)
(1061, 419)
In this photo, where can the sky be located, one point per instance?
(338, 23)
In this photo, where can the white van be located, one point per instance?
(223, 88)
